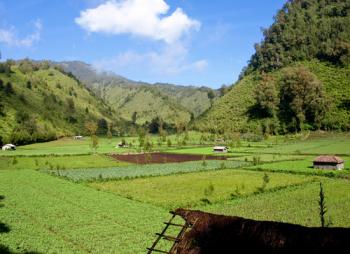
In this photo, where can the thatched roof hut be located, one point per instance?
(328, 162)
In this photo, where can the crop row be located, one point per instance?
(137, 170)
(49, 215)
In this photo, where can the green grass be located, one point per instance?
(139, 170)
(302, 166)
(294, 205)
(336, 144)
(67, 146)
(70, 146)
(58, 162)
(50, 215)
(187, 190)
(266, 157)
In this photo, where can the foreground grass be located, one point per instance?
(50, 215)
(187, 190)
(294, 205)
(58, 162)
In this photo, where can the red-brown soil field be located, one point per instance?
(147, 158)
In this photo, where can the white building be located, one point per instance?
(220, 149)
(8, 147)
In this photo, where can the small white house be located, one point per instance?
(121, 145)
(220, 149)
(78, 137)
(8, 147)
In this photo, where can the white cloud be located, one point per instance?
(170, 61)
(9, 36)
(138, 17)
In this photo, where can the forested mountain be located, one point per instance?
(298, 78)
(170, 102)
(39, 103)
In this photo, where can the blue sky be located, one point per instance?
(188, 42)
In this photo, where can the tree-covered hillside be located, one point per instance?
(305, 30)
(299, 77)
(170, 102)
(41, 103)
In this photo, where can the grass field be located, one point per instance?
(188, 190)
(294, 205)
(58, 162)
(135, 171)
(302, 166)
(106, 206)
(50, 215)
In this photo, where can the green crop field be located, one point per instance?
(46, 214)
(135, 171)
(58, 162)
(294, 205)
(302, 166)
(188, 190)
(60, 198)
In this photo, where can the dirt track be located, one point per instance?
(147, 158)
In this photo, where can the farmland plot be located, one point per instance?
(192, 189)
(50, 215)
(135, 171)
(294, 205)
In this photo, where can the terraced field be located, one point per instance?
(189, 190)
(136, 171)
(298, 204)
(50, 215)
(56, 203)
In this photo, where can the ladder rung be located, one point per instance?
(174, 224)
(169, 238)
(161, 251)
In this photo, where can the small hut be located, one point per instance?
(8, 147)
(220, 149)
(328, 162)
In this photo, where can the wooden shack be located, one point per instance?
(328, 162)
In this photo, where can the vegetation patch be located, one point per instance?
(46, 214)
(136, 171)
(197, 188)
(298, 204)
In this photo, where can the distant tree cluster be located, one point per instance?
(305, 30)
(299, 100)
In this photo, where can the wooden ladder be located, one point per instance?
(162, 235)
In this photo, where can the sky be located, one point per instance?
(185, 42)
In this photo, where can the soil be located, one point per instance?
(211, 233)
(147, 158)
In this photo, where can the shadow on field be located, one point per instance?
(4, 228)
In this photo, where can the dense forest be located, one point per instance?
(298, 78)
(305, 30)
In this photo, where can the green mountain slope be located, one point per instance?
(313, 34)
(230, 113)
(170, 102)
(44, 103)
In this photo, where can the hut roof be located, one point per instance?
(329, 159)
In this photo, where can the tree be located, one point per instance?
(29, 84)
(109, 133)
(302, 97)
(70, 105)
(91, 128)
(102, 126)
(134, 118)
(25, 66)
(9, 89)
(266, 97)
